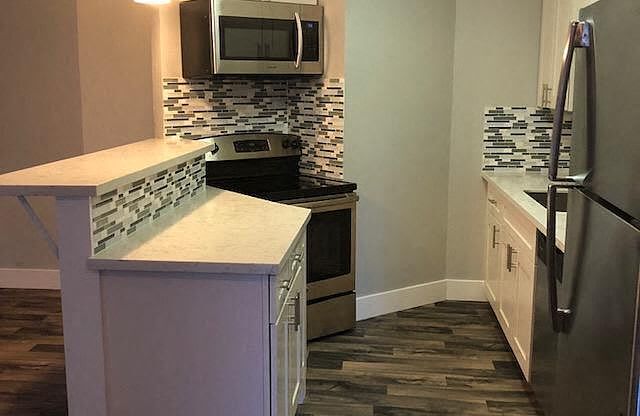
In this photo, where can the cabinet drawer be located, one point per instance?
(493, 203)
(342, 310)
(281, 284)
(522, 246)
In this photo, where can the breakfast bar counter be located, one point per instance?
(177, 298)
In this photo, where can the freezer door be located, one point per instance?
(606, 119)
(595, 370)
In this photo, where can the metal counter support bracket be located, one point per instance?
(33, 216)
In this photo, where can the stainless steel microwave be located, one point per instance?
(250, 37)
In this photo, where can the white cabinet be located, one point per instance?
(557, 15)
(509, 274)
(288, 338)
(494, 254)
(220, 344)
(509, 288)
(524, 325)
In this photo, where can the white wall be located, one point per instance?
(398, 72)
(496, 63)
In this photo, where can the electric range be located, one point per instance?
(266, 165)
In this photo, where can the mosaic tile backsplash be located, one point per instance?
(121, 212)
(519, 139)
(316, 113)
(311, 108)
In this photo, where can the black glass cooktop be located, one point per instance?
(284, 187)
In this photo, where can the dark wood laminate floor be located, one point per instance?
(444, 359)
(32, 380)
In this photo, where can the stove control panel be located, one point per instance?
(242, 146)
(250, 146)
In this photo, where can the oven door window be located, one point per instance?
(253, 39)
(329, 245)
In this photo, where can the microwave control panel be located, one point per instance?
(311, 45)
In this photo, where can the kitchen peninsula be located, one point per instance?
(176, 298)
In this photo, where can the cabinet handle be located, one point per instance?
(295, 302)
(285, 284)
(297, 259)
(546, 90)
(493, 201)
(494, 241)
(510, 253)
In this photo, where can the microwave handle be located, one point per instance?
(296, 15)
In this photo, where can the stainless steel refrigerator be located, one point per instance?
(590, 364)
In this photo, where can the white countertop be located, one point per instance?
(216, 232)
(513, 187)
(96, 173)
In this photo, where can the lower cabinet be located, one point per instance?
(220, 344)
(509, 275)
(288, 343)
(494, 256)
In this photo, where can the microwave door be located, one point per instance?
(256, 37)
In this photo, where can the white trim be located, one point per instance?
(467, 290)
(409, 297)
(400, 299)
(29, 279)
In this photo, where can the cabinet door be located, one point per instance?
(280, 366)
(557, 15)
(494, 260)
(508, 286)
(522, 334)
(547, 61)
(293, 353)
(296, 349)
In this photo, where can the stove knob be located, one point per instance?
(285, 144)
(295, 144)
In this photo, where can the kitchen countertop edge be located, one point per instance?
(120, 257)
(20, 183)
(515, 192)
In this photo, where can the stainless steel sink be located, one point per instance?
(541, 198)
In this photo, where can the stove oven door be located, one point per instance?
(331, 306)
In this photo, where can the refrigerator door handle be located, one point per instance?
(579, 37)
(559, 316)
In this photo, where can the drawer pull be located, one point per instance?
(285, 284)
(493, 202)
(295, 302)
(494, 241)
(510, 263)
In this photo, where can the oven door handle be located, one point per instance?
(325, 202)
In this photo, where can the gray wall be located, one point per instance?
(496, 63)
(77, 76)
(398, 72)
(40, 114)
(418, 76)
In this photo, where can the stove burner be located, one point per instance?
(284, 187)
(267, 166)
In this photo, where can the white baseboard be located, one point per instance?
(29, 279)
(400, 299)
(409, 297)
(468, 290)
